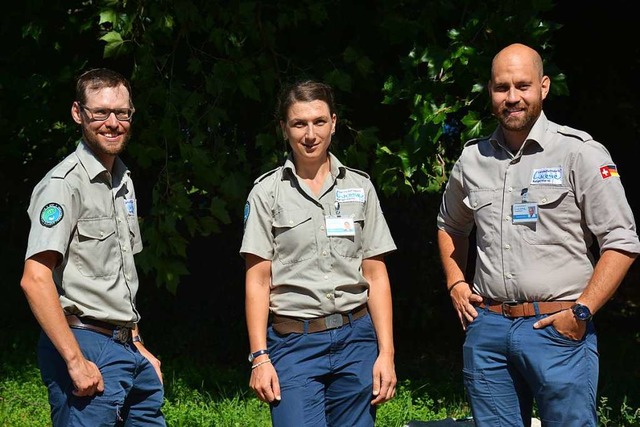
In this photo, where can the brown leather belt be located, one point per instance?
(288, 325)
(121, 334)
(514, 309)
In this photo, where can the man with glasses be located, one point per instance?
(79, 275)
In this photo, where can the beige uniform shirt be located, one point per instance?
(90, 217)
(577, 189)
(314, 274)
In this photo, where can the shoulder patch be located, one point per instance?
(51, 214)
(575, 133)
(266, 174)
(247, 210)
(358, 171)
(64, 167)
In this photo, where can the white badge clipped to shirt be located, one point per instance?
(339, 226)
(524, 212)
(130, 206)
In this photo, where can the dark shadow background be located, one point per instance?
(595, 49)
(599, 52)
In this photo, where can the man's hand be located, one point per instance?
(151, 358)
(463, 301)
(86, 377)
(565, 323)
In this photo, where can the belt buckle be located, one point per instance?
(333, 321)
(123, 335)
(506, 312)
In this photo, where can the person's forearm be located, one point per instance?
(453, 255)
(257, 288)
(607, 275)
(380, 303)
(42, 297)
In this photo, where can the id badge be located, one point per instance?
(339, 226)
(130, 206)
(525, 212)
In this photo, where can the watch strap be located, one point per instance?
(258, 353)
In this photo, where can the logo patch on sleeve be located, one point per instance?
(608, 171)
(51, 214)
(247, 209)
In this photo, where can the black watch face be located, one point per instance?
(582, 312)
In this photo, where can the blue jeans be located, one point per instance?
(508, 365)
(326, 378)
(133, 393)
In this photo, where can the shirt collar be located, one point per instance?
(536, 134)
(94, 167)
(337, 169)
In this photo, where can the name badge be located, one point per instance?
(550, 176)
(525, 212)
(339, 226)
(350, 195)
(130, 206)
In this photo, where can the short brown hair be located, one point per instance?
(304, 91)
(99, 78)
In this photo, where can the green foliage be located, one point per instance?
(413, 403)
(189, 407)
(409, 79)
(202, 394)
(443, 82)
(23, 399)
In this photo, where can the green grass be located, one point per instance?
(198, 394)
(23, 402)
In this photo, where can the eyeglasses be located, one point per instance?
(102, 114)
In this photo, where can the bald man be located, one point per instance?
(537, 192)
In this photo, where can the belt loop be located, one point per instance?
(305, 327)
(536, 309)
(486, 302)
(350, 318)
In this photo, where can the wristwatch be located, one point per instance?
(581, 312)
(256, 354)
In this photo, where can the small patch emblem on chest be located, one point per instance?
(51, 214)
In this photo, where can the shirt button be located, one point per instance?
(507, 218)
(324, 253)
(326, 277)
(544, 200)
(475, 204)
(290, 222)
(507, 246)
(329, 296)
(509, 276)
(322, 227)
(510, 189)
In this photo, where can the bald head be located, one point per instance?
(517, 88)
(521, 54)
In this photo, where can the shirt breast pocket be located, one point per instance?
(484, 206)
(553, 216)
(350, 246)
(96, 253)
(294, 236)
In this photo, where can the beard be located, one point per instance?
(101, 147)
(517, 124)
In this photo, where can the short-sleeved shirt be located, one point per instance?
(89, 217)
(578, 193)
(313, 273)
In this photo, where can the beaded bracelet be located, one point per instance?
(260, 363)
(456, 284)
